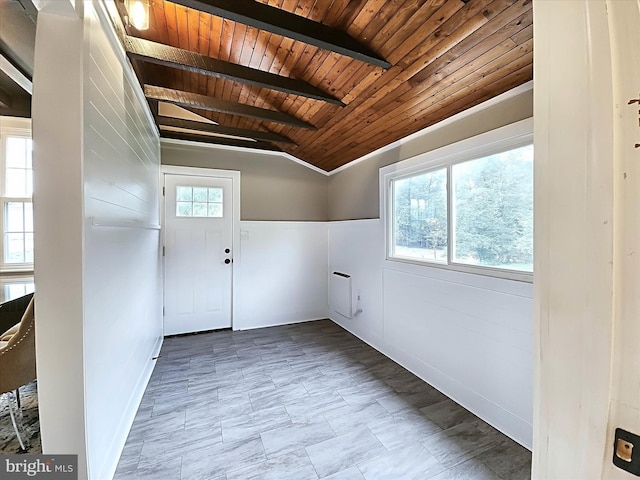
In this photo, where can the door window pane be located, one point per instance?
(420, 216)
(493, 210)
(199, 202)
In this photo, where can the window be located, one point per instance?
(16, 202)
(470, 211)
(198, 202)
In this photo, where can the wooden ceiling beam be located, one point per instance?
(220, 129)
(168, 56)
(194, 100)
(281, 22)
(191, 137)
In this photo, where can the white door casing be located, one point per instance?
(199, 247)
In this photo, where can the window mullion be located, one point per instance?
(449, 217)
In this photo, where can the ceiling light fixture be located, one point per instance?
(138, 11)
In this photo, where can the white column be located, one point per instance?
(58, 221)
(586, 226)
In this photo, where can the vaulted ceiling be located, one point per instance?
(355, 76)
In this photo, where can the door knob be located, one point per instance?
(227, 261)
(226, 250)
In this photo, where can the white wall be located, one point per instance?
(470, 336)
(97, 162)
(281, 273)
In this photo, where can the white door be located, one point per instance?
(198, 253)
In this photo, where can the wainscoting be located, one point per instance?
(470, 336)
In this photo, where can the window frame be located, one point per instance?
(8, 132)
(495, 141)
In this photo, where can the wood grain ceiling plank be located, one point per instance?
(287, 24)
(395, 118)
(494, 63)
(386, 13)
(448, 63)
(364, 17)
(405, 113)
(401, 19)
(392, 83)
(342, 12)
(468, 20)
(188, 99)
(501, 27)
(524, 34)
(422, 24)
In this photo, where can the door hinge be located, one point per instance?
(163, 191)
(163, 251)
(163, 311)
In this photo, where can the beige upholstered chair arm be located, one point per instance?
(17, 357)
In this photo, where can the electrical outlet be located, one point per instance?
(626, 451)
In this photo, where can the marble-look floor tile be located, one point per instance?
(295, 437)
(213, 462)
(509, 460)
(403, 429)
(469, 470)
(214, 413)
(349, 474)
(412, 462)
(307, 408)
(344, 451)
(459, 443)
(254, 423)
(154, 427)
(290, 466)
(277, 396)
(166, 468)
(350, 418)
(447, 414)
(186, 441)
(299, 402)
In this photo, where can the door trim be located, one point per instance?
(234, 175)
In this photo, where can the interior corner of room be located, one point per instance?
(306, 228)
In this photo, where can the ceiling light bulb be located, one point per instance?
(139, 14)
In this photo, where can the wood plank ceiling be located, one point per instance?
(445, 56)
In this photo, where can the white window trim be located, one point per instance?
(10, 131)
(505, 138)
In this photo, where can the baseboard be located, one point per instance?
(279, 324)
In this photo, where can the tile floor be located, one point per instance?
(302, 402)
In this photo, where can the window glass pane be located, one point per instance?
(16, 152)
(420, 216)
(215, 195)
(493, 210)
(184, 194)
(199, 194)
(14, 248)
(29, 153)
(29, 188)
(184, 209)
(28, 217)
(16, 182)
(28, 247)
(15, 217)
(199, 209)
(215, 210)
